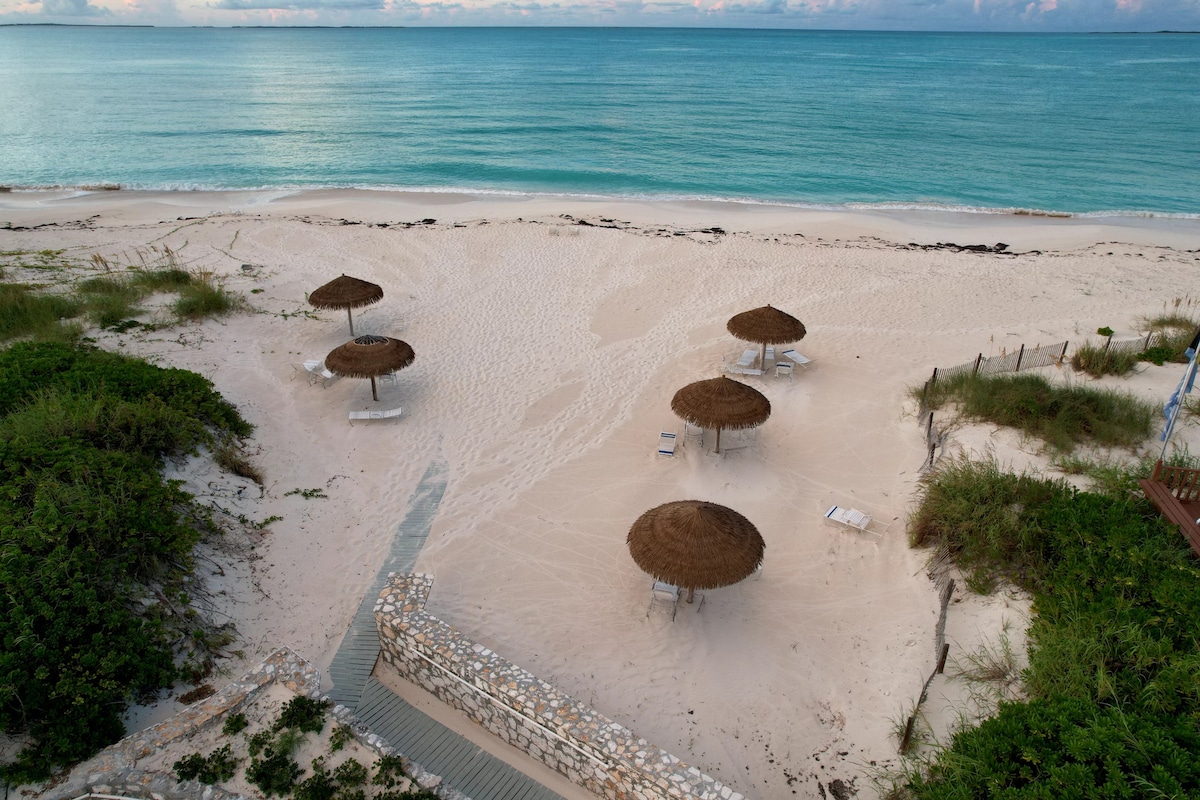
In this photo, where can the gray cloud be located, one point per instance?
(73, 8)
(297, 5)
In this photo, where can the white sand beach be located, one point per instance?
(547, 355)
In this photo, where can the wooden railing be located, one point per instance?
(1184, 483)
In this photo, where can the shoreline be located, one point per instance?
(62, 191)
(900, 227)
(547, 354)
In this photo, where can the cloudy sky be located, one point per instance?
(950, 15)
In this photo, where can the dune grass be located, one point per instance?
(1172, 331)
(1097, 361)
(1061, 416)
(204, 298)
(163, 280)
(111, 300)
(25, 312)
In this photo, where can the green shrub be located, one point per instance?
(274, 772)
(219, 766)
(1061, 416)
(91, 529)
(351, 773)
(1067, 748)
(1113, 676)
(389, 771)
(341, 736)
(302, 714)
(318, 786)
(235, 724)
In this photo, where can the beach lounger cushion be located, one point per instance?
(797, 358)
(784, 370)
(390, 413)
(849, 517)
(664, 592)
(666, 443)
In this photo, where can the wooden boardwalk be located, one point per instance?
(464, 765)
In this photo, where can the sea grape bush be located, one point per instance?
(1114, 675)
(96, 543)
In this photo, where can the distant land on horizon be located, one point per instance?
(652, 27)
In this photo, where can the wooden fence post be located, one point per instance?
(978, 361)
(1108, 342)
(1146, 346)
(942, 660)
(1020, 355)
(1063, 354)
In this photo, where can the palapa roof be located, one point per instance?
(721, 403)
(346, 292)
(766, 325)
(695, 544)
(369, 356)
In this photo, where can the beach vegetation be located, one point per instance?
(234, 724)
(204, 296)
(1062, 416)
(1096, 360)
(1171, 331)
(98, 544)
(341, 736)
(1115, 477)
(26, 312)
(110, 300)
(217, 766)
(1112, 686)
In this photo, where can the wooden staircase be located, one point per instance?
(1175, 492)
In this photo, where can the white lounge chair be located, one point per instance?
(748, 358)
(797, 358)
(783, 369)
(665, 593)
(666, 443)
(734, 369)
(769, 355)
(849, 517)
(390, 413)
(691, 431)
(318, 373)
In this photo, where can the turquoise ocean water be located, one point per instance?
(1061, 123)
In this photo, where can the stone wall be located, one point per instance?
(525, 711)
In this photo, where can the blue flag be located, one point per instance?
(1171, 409)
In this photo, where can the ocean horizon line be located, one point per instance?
(934, 31)
(882, 206)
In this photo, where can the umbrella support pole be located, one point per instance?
(762, 360)
(350, 317)
(691, 598)
(718, 448)
(374, 391)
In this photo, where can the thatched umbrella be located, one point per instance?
(695, 545)
(721, 403)
(766, 325)
(346, 292)
(368, 357)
